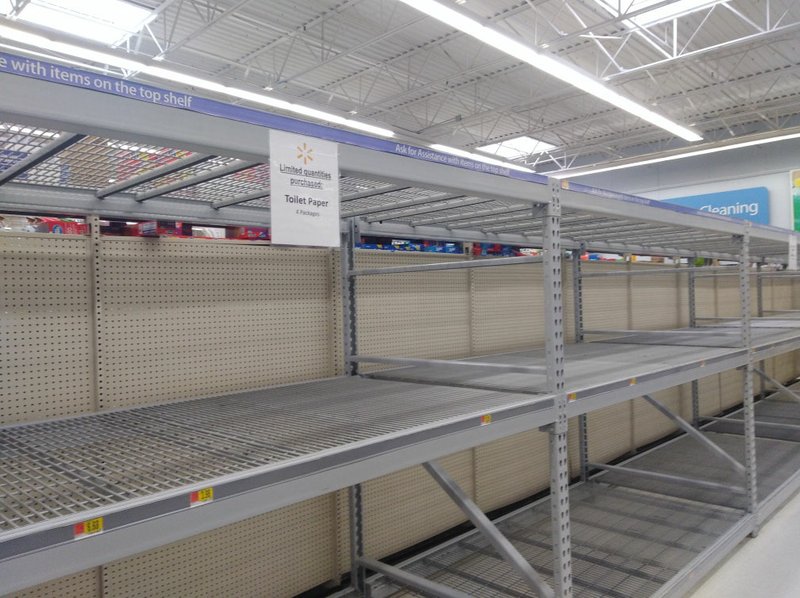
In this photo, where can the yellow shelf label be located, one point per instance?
(199, 497)
(88, 528)
(486, 419)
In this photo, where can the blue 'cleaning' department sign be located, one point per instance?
(748, 204)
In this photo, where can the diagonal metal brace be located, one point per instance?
(411, 580)
(696, 434)
(506, 549)
(668, 477)
(769, 378)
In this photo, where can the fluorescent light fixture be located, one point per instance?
(546, 63)
(30, 131)
(477, 157)
(169, 75)
(519, 147)
(675, 9)
(40, 41)
(668, 158)
(109, 22)
(128, 147)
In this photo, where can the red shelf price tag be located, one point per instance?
(88, 528)
(486, 419)
(199, 497)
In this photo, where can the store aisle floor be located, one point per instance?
(762, 566)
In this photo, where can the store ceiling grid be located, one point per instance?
(726, 69)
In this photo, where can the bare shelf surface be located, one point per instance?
(59, 468)
(631, 537)
(138, 465)
(595, 367)
(625, 544)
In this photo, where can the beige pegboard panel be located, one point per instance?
(654, 298)
(507, 308)
(342, 532)
(682, 298)
(568, 297)
(511, 469)
(183, 319)
(85, 584)
(419, 314)
(780, 367)
(728, 299)
(731, 389)
(786, 367)
(780, 293)
(46, 365)
(335, 310)
(605, 300)
(705, 298)
(795, 293)
(610, 432)
(573, 447)
(753, 298)
(767, 293)
(406, 507)
(276, 555)
(710, 395)
(649, 424)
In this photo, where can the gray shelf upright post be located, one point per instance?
(749, 409)
(577, 303)
(762, 389)
(355, 497)
(348, 261)
(554, 356)
(759, 292)
(692, 288)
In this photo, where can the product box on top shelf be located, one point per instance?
(247, 233)
(57, 226)
(162, 228)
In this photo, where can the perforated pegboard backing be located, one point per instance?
(183, 319)
(655, 302)
(238, 308)
(46, 362)
(278, 554)
(420, 314)
(648, 423)
(511, 469)
(85, 584)
(606, 299)
(407, 507)
(507, 308)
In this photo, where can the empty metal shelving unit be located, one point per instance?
(145, 475)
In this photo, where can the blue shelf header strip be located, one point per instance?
(64, 75)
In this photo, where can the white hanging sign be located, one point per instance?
(792, 252)
(304, 190)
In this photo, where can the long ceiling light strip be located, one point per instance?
(159, 72)
(668, 158)
(546, 63)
